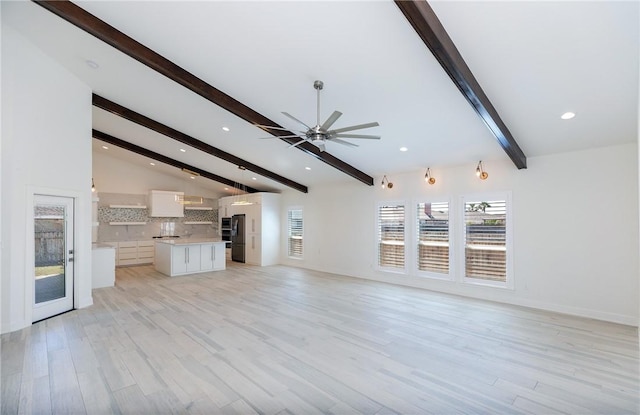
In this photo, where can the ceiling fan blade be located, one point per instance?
(346, 143)
(333, 118)
(297, 144)
(295, 119)
(279, 136)
(371, 137)
(355, 127)
(268, 127)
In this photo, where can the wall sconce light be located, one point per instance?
(480, 171)
(386, 183)
(93, 186)
(428, 177)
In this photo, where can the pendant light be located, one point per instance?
(428, 177)
(482, 175)
(386, 184)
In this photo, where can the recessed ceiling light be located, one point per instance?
(403, 149)
(567, 115)
(254, 178)
(183, 150)
(226, 188)
(225, 128)
(105, 147)
(153, 164)
(92, 64)
(193, 177)
(307, 168)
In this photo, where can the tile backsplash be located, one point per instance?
(153, 226)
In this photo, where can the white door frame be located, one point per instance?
(29, 286)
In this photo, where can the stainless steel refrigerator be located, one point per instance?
(237, 238)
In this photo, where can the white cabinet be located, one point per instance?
(146, 252)
(128, 253)
(212, 257)
(133, 252)
(252, 251)
(262, 226)
(166, 204)
(103, 266)
(183, 258)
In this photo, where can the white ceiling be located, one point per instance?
(534, 60)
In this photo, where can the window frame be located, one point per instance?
(451, 275)
(406, 240)
(509, 278)
(289, 237)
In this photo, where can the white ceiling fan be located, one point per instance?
(320, 133)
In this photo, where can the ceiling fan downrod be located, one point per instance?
(318, 85)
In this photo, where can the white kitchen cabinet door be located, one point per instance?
(179, 260)
(219, 256)
(207, 257)
(212, 257)
(185, 259)
(193, 258)
(252, 250)
(253, 218)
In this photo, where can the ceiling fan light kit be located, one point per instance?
(320, 134)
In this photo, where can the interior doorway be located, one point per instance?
(53, 222)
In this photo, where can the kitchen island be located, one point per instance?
(189, 256)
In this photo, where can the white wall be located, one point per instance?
(46, 148)
(112, 175)
(575, 230)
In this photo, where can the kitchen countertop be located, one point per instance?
(189, 241)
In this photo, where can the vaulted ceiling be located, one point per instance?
(533, 60)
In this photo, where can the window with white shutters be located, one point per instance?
(294, 232)
(433, 237)
(486, 240)
(391, 241)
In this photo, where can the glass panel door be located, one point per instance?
(53, 255)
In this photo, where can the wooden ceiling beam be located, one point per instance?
(425, 22)
(110, 35)
(166, 160)
(147, 122)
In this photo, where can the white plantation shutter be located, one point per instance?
(433, 237)
(486, 240)
(391, 241)
(294, 231)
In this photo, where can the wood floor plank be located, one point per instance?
(35, 396)
(96, 394)
(283, 340)
(66, 396)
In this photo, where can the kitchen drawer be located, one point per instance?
(146, 249)
(127, 255)
(145, 244)
(128, 244)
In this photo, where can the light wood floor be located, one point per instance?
(280, 340)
